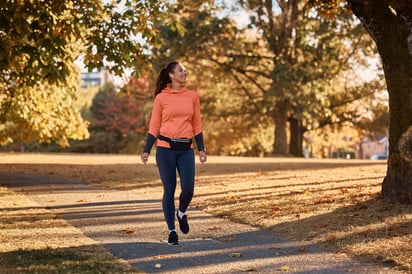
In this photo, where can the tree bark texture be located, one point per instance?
(390, 25)
(296, 137)
(280, 117)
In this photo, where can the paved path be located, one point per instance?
(213, 245)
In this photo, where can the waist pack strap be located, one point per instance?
(169, 140)
(163, 138)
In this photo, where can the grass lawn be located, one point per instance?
(334, 203)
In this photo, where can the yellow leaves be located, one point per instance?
(44, 113)
(284, 268)
(232, 198)
(306, 192)
(175, 25)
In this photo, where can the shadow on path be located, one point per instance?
(213, 246)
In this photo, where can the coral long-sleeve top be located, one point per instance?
(175, 114)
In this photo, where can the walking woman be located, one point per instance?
(175, 120)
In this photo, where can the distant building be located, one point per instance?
(369, 147)
(96, 78)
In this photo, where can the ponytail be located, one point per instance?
(163, 79)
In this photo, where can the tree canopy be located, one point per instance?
(272, 79)
(39, 44)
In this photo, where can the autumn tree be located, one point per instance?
(41, 112)
(39, 43)
(229, 117)
(119, 120)
(389, 25)
(282, 66)
(309, 53)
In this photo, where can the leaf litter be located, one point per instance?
(333, 203)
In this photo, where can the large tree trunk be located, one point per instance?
(280, 116)
(296, 137)
(390, 25)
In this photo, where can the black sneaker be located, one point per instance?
(173, 238)
(184, 225)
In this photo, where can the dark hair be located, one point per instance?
(163, 78)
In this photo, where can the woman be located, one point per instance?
(175, 120)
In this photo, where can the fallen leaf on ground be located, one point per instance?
(260, 172)
(232, 198)
(284, 268)
(227, 239)
(344, 191)
(235, 255)
(276, 208)
(251, 269)
(306, 191)
(303, 249)
(128, 230)
(330, 238)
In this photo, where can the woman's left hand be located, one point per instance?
(144, 157)
(202, 156)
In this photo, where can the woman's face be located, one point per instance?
(179, 74)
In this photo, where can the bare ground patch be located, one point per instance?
(334, 203)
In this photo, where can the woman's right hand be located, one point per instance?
(202, 157)
(144, 157)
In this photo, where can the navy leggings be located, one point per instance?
(168, 161)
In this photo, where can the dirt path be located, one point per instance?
(130, 225)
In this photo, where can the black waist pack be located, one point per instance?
(177, 143)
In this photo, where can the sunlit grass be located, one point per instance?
(338, 208)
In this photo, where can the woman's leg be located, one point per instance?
(166, 163)
(186, 168)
